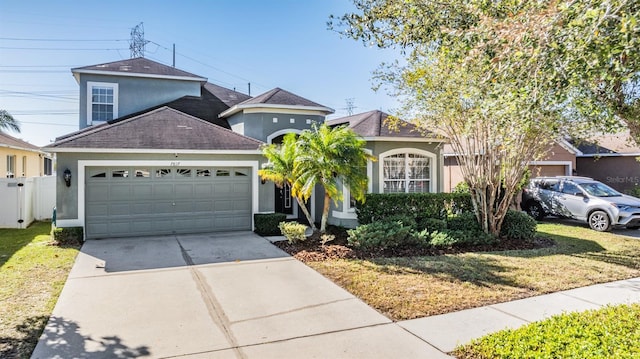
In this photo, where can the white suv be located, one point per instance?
(583, 199)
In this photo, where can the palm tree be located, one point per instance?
(8, 122)
(328, 156)
(281, 169)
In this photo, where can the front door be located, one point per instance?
(284, 201)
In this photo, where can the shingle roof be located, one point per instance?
(163, 128)
(138, 66)
(229, 97)
(10, 141)
(374, 124)
(615, 143)
(277, 98)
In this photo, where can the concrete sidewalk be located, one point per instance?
(231, 295)
(446, 331)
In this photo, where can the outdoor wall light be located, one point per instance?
(67, 177)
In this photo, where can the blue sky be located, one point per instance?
(280, 43)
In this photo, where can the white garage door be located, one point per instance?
(132, 201)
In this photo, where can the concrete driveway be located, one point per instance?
(229, 295)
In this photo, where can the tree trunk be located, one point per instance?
(306, 213)
(325, 213)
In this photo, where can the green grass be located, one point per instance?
(611, 332)
(413, 287)
(33, 270)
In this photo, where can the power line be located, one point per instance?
(59, 49)
(137, 41)
(59, 40)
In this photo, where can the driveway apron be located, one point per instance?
(223, 295)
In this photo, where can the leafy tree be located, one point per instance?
(281, 169)
(8, 122)
(328, 157)
(503, 78)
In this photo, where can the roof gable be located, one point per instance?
(374, 124)
(163, 128)
(138, 67)
(607, 144)
(227, 96)
(12, 142)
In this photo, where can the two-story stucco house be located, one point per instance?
(163, 151)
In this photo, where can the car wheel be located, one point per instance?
(534, 209)
(599, 221)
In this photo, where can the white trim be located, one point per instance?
(83, 164)
(282, 132)
(136, 74)
(265, 107)
(347, 212)
(432, 166)
(568, 164)
(569, 147)
(90, 86)
(404, 139)
(151, 150)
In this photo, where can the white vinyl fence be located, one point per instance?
(23, 200)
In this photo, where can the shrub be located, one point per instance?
(518, 225)
(431, 224)
(267, 223)
(460, 238)
(293, 231)
(68, 236)
(466, 221)
(382, 235)
(381, 206)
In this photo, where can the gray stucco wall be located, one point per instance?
(379, 147)
(67, 197)
(261, 125)
(136, 94)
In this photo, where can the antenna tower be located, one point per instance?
(350, 106)
(137, 42)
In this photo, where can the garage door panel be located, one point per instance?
(177, 201)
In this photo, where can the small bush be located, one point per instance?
(69, 236)
(381, 206)
(460, 238)
(267, 223)
(293, 231)
(518, 225)
(382, 235)
(466, 221)
(431, 224)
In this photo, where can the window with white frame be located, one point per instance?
(349, 203)
(406, 172)
(102, 100)
(11, 166)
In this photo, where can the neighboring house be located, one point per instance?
(560, 161)
(611, 159)
(22, 159)
(162, 151)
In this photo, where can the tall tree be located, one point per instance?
(330, 157)
(281, 169)
(503, 78)
(7, 122)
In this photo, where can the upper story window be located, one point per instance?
(102, 98)
(407, 172)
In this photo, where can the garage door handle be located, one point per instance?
(173, 204)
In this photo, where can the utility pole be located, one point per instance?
(137, 41)
(350, 106)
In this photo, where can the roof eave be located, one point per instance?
(237, 108)
(150, 150)
(135, 74)
(405, 139)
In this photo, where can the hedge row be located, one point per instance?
(417, 205)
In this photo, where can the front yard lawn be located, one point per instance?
(412, 287)
(33, 269)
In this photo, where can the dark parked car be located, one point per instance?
(581, 198)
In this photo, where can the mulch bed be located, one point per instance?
(312, 250)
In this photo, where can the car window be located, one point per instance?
(570, 188)
(600, 190)
(552, 185)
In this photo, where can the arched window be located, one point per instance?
(407, 171)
